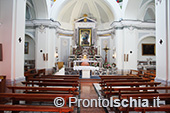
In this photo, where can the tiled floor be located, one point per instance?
(88, 92)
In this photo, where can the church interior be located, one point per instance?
(86, 49)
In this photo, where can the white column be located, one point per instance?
(119, 49)
(161, 35)
(41, 46)
(45, 45)
(130, 48)
(12, 37)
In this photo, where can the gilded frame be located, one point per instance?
(85, 37)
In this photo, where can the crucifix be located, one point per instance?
(106, 50)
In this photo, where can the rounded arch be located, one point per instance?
(146, 36)
(31, 36)
(41, 9)
(144, 9)
(30, 12)
(57, 6)
(29, 52)
(147, 39)
(130, 9)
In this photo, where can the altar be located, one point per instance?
(85, 55)
(85, 70)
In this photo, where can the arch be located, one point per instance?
(130, 9)
(30, 9)
(31, 36)
(149, 15)
(29, 52)
(144, 9)
(146, 36)
(147, 39)
(56, 8)
(41, 9)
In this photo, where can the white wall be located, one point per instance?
(64, 47)
(12, 28)
(46, 42)
(51, 48)
(119, 48)
(147, 40)
(130, 45)
(6, 19)
(31, 50)
(41, 45)
(169, 36)
(161, 35)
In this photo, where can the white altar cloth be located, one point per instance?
(85, 68)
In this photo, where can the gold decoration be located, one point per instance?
(85, 15)
(85, 19)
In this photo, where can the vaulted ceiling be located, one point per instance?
(95, 9)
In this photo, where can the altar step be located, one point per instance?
(89, 80)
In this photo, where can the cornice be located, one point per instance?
(133, 24)
(107, 31)
(42, 22)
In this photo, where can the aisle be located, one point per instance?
(88, 92)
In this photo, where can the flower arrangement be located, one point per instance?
(78, 50)
(107, 65)
(91, 51)
(95, 64)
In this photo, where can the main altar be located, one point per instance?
(85, 50)
(85, 55)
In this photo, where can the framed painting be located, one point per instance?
(85, 37)
(1, 52)
(26, 51)
(148, 49)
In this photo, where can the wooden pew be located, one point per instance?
(51, 80)
(16, 97)
(155, 89)
(41, 72)
(148, 76)
(164, 96)
(52, 84)
(161, 108)
(31, 73)
(111, 85)
(103, 84)
(35, 97)
(134, 73)
(61, 76)
(45, 90)
(35, 108)
(118, 77)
